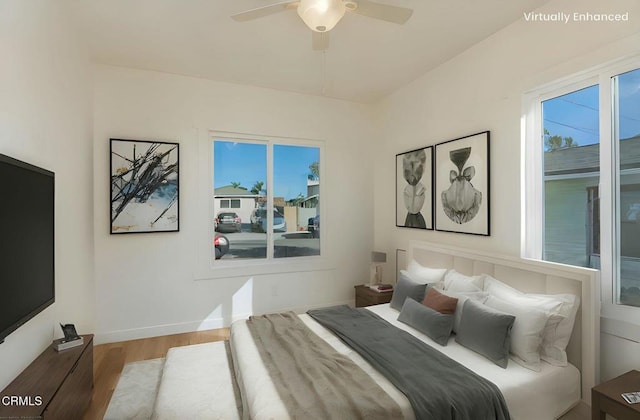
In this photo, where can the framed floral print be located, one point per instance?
(414, 188)
(462, 185)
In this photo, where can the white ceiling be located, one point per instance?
(366, 60)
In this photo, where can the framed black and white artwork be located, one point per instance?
(414, 188)
(144, 186)
(462, 185)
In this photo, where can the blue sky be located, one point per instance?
(246, 163)
(576, 114)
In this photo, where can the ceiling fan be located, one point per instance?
(322, 15)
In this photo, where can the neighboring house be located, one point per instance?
(236, 199)
(572, 221)
(313, 195)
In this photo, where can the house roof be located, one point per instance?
(231, 191)
(586, 159)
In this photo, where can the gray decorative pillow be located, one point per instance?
(435, 325)
(480, 297)
(404, 289)
(486, 331)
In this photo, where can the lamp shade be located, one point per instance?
(378, 257)
(321, 15)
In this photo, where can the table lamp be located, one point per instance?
(377, 260)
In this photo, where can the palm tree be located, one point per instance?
(257, 188)
(315, 171)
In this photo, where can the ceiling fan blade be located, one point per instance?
(264, 11)
(320, 40)
(394, 14)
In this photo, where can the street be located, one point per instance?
(253, 245)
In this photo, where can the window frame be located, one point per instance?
(210, 268)
(617, 319)
(533, 191)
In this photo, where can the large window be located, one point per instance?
(626, 129)
(266, 199)
(582, 165)
(571, 156)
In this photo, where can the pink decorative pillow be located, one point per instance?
(440, 302)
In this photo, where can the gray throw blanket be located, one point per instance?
(312, 378)
(437, 386)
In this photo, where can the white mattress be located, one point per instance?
(529, 395)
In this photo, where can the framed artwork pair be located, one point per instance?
(445, 186)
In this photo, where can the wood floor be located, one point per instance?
(109, 359)
(580, 412)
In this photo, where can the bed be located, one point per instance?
(546, 394)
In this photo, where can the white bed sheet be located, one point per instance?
(529, 395)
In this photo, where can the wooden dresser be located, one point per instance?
(57, 385)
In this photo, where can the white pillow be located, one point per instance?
(562, 309)
(425, 275)
(505, 292)
(439, 285)
(457, 282)
(462, 297)
(555, 341)
(526, 334)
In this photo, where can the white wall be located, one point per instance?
(146, 283)
(45, 119)
(482, 89)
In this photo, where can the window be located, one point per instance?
(229, 204)
(571, 159)
(626, 133)
(582, 172)
(273, 189)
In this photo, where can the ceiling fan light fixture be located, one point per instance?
(321, 15)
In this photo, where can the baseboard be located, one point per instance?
(104, 337)
(160, 330)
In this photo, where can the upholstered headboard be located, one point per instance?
(534, 277)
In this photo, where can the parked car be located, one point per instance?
(221, 244)
(259, 221)
(256, 218)
(314, 226)
(279, 224)
(310, 227)
(228, 221)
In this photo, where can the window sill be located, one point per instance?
(620, 320)
(619, 328)
(244, 268)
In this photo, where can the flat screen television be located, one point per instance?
(27, 280)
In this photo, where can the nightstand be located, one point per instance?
(606, 398)
(367, 297)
